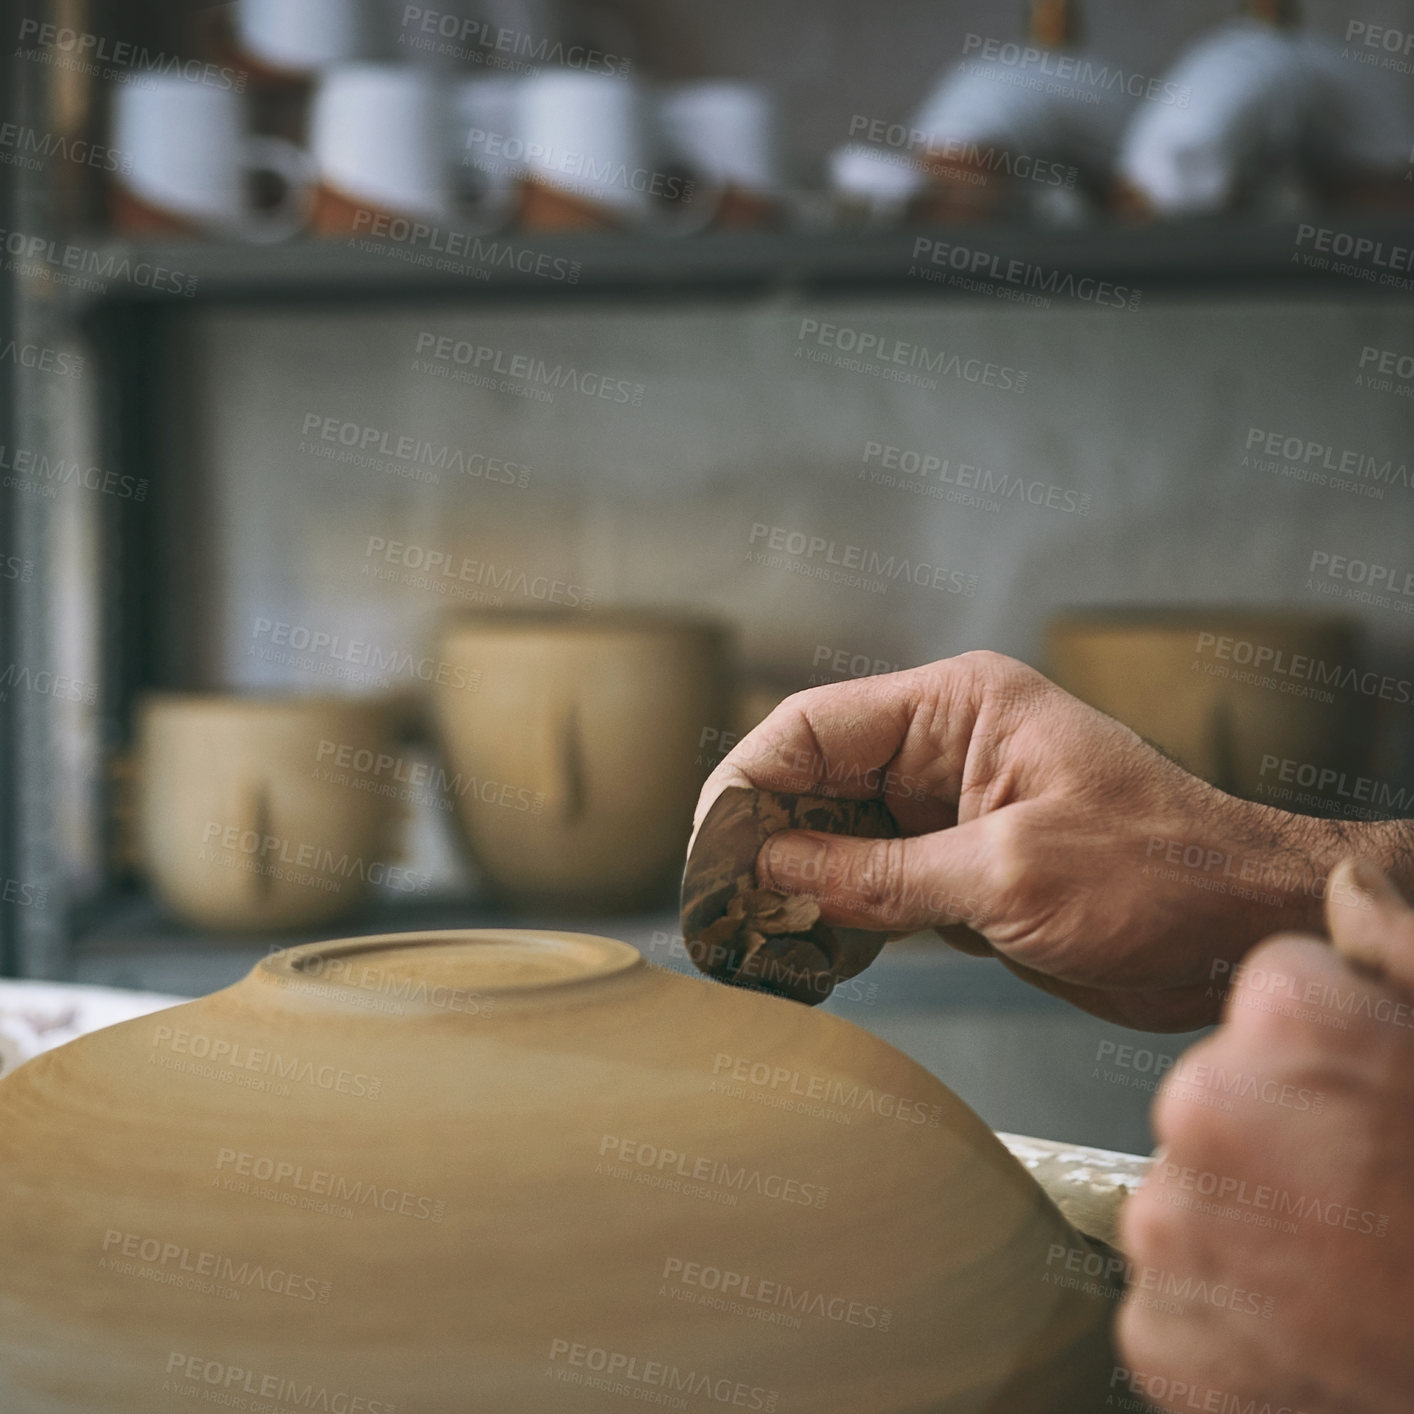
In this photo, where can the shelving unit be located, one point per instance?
(1192, 257)
(121, 325)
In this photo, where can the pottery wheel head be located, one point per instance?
(760, 938)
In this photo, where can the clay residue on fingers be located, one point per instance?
(764, 938)
(765, 935)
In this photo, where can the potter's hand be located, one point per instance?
(1287, 1178)
(1089, 863)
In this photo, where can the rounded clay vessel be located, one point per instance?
(513, 1171)
(578, 759)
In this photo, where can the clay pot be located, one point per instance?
(519, 1172)
(1192, 682)
(576, 763)
(245, 822)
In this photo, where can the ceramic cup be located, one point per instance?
(1225, 692)
(191, 163)
(576, 765)
(251, 816)
(378, 135)
(583, 139)
(300, 38)
(725, 134)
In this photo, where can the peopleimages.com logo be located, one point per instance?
(1048, 69)
(169, 1262)
(920, 150)
(84, 52)
(38, 356)
(1279, 666)
(1183, 1394)
(34, 255)
(1332, 790)
(651, 1381)
(949, 259)
(1361, 257)
(1306, 459)
(854, 562)
(899, 360)
(1389, 47)
(962, 483)
(484, 365)
(31, 148)
(320, 650)
(216, 1382)
(455, 36)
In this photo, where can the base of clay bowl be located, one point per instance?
(521, 1172)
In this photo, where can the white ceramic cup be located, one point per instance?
(303, 36)
(724, 130)
(378, 135)
(192, 158)
(586, 136)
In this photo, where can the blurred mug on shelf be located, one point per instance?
(192, 168)
(1225, 692)
(587, 164)
(579, 756)
(725, 133)
(379, 139)
(250, 814)
(296, 38)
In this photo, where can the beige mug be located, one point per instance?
(575, 767)
(252, 814)
(1226, 692)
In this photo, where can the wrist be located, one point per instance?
(1288, 860)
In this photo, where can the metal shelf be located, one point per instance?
(88, 292)
(1189, 256)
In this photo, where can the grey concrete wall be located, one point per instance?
(1147, 414)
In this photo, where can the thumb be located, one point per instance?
(887, 886)
(1369, 922)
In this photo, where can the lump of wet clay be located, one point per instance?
(764, 938)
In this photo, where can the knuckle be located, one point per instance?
(990, 662)
(999, 672)
(1009, 853)
(879, 874)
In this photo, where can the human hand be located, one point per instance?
(1089, 863)
(1300, 1187)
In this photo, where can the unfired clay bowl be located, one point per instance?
(440, 1172)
